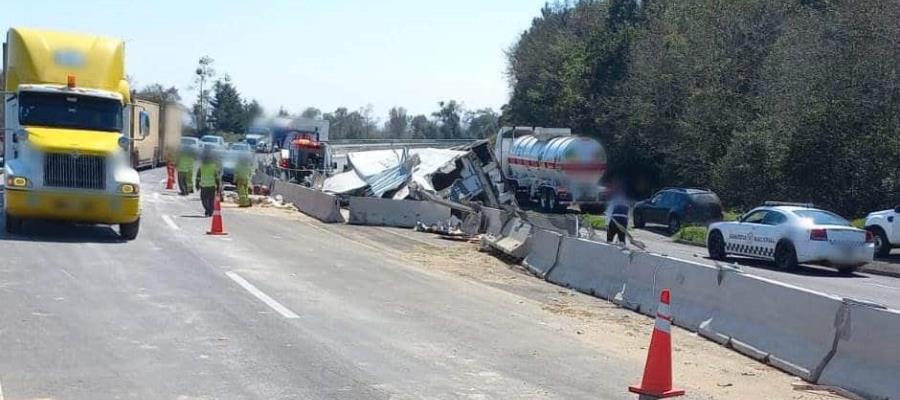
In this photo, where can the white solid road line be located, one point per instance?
(284, 311)
(170, 223)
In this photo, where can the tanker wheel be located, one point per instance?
(543, 201)
(553, 202)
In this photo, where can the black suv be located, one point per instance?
(675, 207)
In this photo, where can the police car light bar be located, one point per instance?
(788, 204)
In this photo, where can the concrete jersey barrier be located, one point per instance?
(867, 356)
(494, 220)
(788, 327)
(514, 240)
(590, 267)
(319, 205)
(544, 252)
(399, 213)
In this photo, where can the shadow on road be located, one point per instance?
(659, 230)
(803, 270)
(893, 258)
(61, 232)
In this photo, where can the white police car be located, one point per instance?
(790, 234)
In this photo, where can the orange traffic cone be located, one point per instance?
(657, 381)
(170, 178)
(217, 228)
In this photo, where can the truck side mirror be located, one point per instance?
(144, 124)
(897, 209)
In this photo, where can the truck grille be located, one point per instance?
(75, 171)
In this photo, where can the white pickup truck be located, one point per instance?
(885, 227)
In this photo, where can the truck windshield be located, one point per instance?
(68, 110)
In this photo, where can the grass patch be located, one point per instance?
(596, 221)
(732, 215)
(692, 234)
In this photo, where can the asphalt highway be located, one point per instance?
(273, 311)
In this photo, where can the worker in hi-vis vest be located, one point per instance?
(242, 172)
(185, 167)
(209, 180)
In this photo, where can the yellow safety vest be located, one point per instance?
(185, 163)
(242, 171)
(208, 174)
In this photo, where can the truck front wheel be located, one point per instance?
(13, 224)
(130, 231)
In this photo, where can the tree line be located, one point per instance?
(758, 99)
(450, 121)
(220, 108)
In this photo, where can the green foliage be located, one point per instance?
(692, 234)
(159, 94)
(449, 118)
(397, 125)
(757, 99)
(482, 123)
(346, 124)
(596, 221)
(732, 215)
(311, 112)
(227, 108)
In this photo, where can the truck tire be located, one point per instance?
(544, 201)
(553, 202)
(130, 231)
(13, 224)
(882, 245)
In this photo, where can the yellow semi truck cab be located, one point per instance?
(67, 131)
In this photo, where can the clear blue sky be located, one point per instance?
(309, 53)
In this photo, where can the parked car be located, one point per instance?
(213, 142)
(264, 145)
(885, 229)
(675, 207)
(190, 143)
(252, 140)
(790, 234)
(240, 148)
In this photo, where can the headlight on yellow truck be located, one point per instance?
(17, 182)
(128, 188)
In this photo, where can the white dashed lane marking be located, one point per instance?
(284, 311)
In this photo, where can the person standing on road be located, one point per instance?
(242, 173)
(617, 218)
(185, 168)
(209, 180)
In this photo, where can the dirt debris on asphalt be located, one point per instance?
(705, 369)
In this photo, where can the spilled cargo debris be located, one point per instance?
(462, 175)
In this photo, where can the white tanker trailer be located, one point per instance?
(553, 167)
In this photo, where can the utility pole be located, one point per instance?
(201, 120)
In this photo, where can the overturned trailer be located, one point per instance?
(466, 174)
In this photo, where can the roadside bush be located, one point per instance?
(596, 221)
(692, 234)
